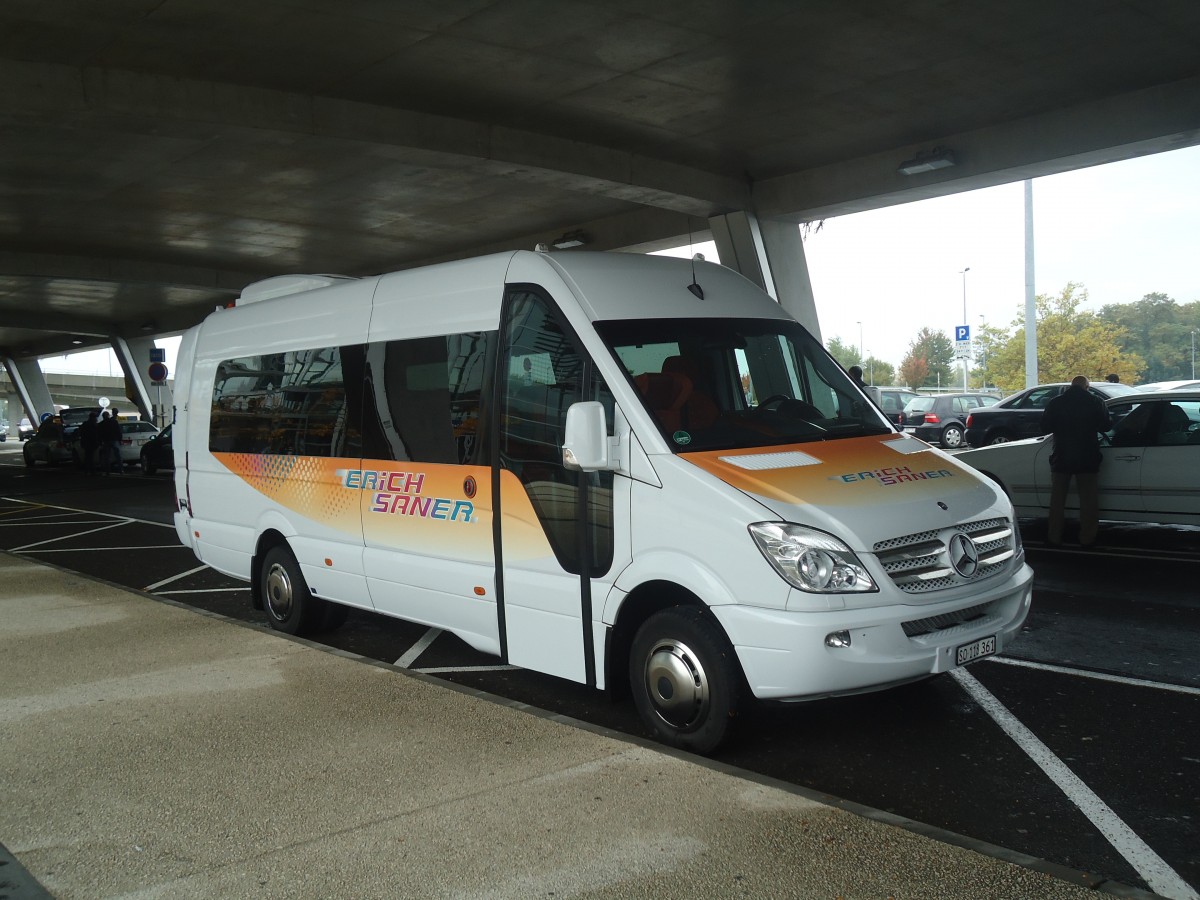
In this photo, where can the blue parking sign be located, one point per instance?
(962, 333)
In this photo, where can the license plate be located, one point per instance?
(910, 430)
(975, 650)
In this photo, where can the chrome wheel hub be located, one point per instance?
(278, 592)
(676, 683)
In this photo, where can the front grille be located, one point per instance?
(919, 563)
(946, 620)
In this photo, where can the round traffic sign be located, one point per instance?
(157, 371)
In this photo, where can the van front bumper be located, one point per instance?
(785, 655)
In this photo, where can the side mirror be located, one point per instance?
(586, 443)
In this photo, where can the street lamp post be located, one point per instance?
(963, 273)
(860, 343)
(1193, 354)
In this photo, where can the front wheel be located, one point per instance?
(287, 601)
(685, 679)
(148, 468)
(952, 437)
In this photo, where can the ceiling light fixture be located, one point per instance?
(569, 240)
(937, 158)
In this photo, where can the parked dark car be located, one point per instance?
(157, 453)
(941, 419)
(1020, 416)
(47, 444)
(893, 400)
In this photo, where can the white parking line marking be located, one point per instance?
(1098, 676)
(418, 648)
(42, 520)
(205, 590)
(72, 535)
(88, 512)
(450, 670)
(1148, 864)
(102, 549)
(158, 584)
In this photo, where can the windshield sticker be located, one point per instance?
(399, 493)
(891, 475)
(682, 438)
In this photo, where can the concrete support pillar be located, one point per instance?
(134, 356)
(30, 385)
(771, 254)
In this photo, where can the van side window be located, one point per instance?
(423, 399)
(291, 403)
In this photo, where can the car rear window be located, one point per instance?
(920, 404)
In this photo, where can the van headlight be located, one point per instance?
(811, 560)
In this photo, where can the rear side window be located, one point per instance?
(422, 400)
(290, 403)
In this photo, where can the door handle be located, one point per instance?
(1129, 458)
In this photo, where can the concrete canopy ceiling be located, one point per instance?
(157, 155)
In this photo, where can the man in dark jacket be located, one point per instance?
(89, 442)
(1075, 418)
(110, 442)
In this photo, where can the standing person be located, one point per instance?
(856, 375)
(89, 443)
(110, 442)
(1075, 418)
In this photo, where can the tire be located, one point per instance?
(287, 601)
(28, 456)
(1000, 437)
(952, 437)
(685, 679)
(148, 468)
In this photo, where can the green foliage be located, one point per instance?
(933, 352)
(1159, 331)
(846, 354)
(1070, 342)
(876, 371)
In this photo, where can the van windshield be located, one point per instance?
(723, 384)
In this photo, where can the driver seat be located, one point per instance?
(698, 410)
(665, 394)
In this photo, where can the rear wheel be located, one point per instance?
(952, 437)
(685, 679)
(287, 601)
(1000, 437)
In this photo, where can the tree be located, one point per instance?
(876, 371)
(1159, 331)
(1070, 342)
(914, 370)
(936, 352)
(847, 355)
(988, 341)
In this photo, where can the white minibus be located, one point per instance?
(634, 472)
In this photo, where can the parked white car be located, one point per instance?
(1151, 468)
(1169, 386)
(133, 437)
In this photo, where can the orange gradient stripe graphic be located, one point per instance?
(857, 471)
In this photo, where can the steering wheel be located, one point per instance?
(774, 398)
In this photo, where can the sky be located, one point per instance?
(1121, 230)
